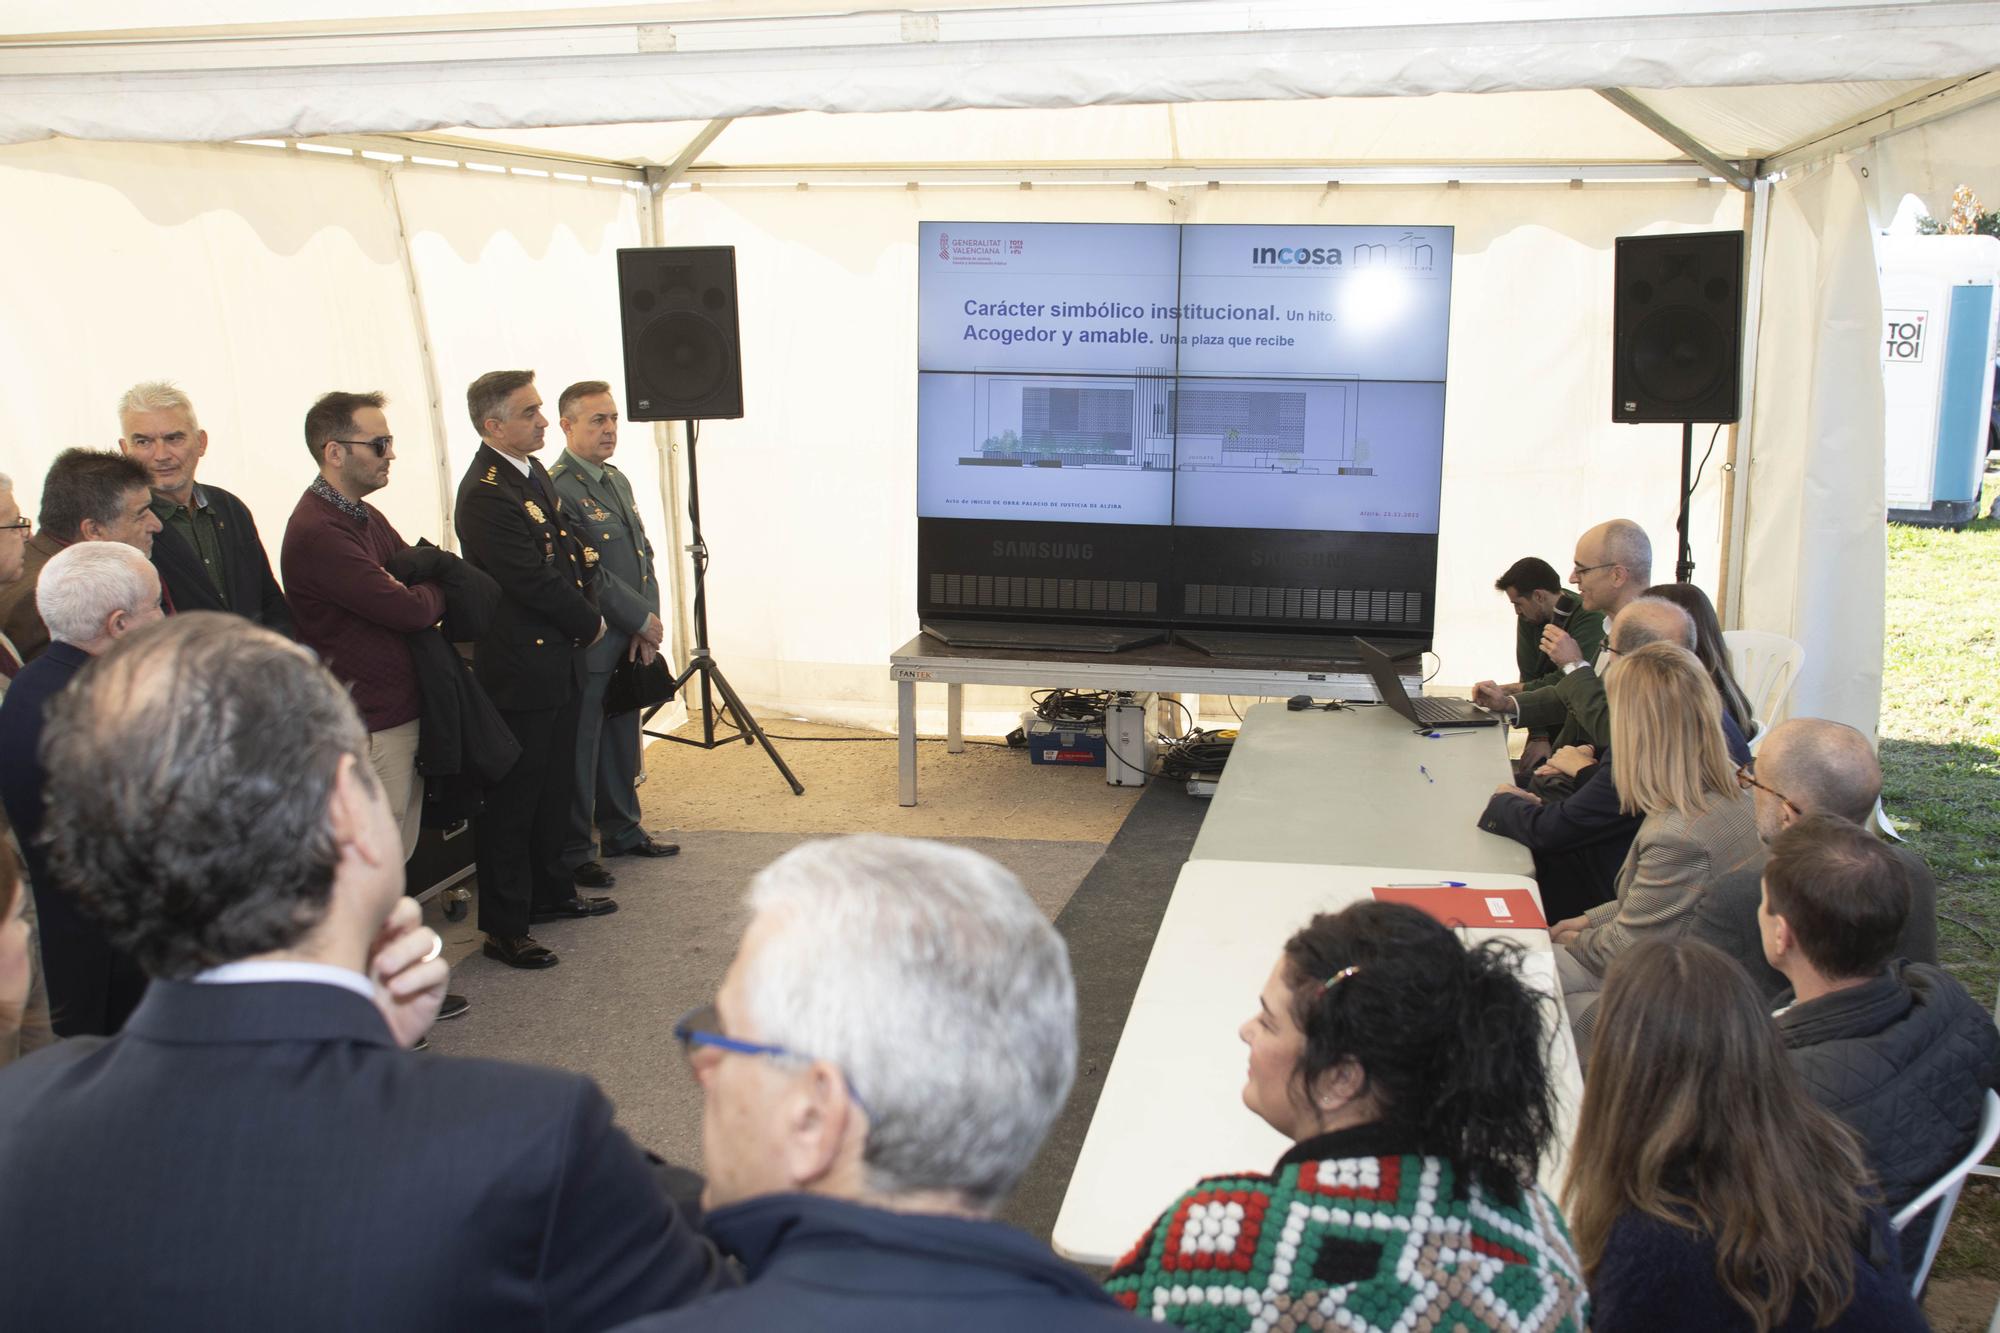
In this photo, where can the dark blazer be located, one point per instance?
(92, 986)
(838, 1267)
(253, 592)
(262, 1156)
(462, 735)
(1578, 842)
(531, 655)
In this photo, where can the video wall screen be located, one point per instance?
(1279, 379)
(1215, 376)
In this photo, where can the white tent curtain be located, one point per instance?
(1816, 552)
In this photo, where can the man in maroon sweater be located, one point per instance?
(349, 609)
(346, 606)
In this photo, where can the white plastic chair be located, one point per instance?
(1945, 1189)
(1766, 666)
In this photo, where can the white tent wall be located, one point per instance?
(255, 282)
(809, 501)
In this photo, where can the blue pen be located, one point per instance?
(1444, 735)
(1427, 775)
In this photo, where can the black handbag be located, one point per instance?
(634, 685)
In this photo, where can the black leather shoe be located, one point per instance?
(519, 951)
(591, 875)
(647, 845)
(574, 907)
(453, 1007)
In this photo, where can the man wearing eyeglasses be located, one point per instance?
(14, 530)
(1614, 565)
(894, 1038)
(208, 552)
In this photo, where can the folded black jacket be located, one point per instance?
(462, 733)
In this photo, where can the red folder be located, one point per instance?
(1512, 909)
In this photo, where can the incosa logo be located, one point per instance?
(1312, 256)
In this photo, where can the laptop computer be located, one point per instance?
(1422, 711)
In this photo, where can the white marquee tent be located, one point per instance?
(262, 211)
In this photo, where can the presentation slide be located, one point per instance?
(1214, 376)
(1059, 448)
(1316, 455)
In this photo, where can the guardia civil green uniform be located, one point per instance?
(597, 498)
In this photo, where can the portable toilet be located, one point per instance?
(1940, 317)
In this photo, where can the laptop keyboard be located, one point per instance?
(1439, 710)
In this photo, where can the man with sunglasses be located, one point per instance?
(208, 552)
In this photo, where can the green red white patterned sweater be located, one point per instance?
(1351, 1232)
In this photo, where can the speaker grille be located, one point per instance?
(1019, 592)
(1375, 606)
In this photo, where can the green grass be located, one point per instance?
(1941, 777)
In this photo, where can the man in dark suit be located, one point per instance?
(208, 552)
(92, 594)
(511, 524)
(294, 1166)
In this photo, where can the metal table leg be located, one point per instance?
(954, 718)
(906, 742)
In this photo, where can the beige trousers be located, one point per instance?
(393, 756)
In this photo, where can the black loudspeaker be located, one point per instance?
(683, 356)
(1677, 327)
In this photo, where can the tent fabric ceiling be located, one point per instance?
(1255, 80)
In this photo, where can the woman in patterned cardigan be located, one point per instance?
(1410, 1074)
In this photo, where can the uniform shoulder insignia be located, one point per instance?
(491, 478)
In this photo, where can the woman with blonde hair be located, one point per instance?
(1706, 1189)
(16, 961)
(1697, 824)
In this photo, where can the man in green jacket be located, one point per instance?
(1538, 598)
(597, 500)
(1614, 565)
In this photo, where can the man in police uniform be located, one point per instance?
(531, 662)
(597, 498)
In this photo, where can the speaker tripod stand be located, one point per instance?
(702, 664)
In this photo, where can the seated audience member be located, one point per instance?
(1673, 768)
(1614, 562)
(1531, 587)
(87, 496)
(257, 1150)
(208, 552)
(1711, 648)
(1706, 1189)
(1410, 1074)
(1809, 766)
(92, 595)
(17, 963)
(892, 1041)
(1579, 840)
(1896, 1049)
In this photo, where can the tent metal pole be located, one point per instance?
(1738, 467)
(447, 496)
(1675, 135)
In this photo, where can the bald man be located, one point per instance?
(1614, 566)
(1810, 766)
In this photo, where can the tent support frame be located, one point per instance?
(1732, 172)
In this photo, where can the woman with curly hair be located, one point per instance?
(1708, 1190)
(1410, 1073)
